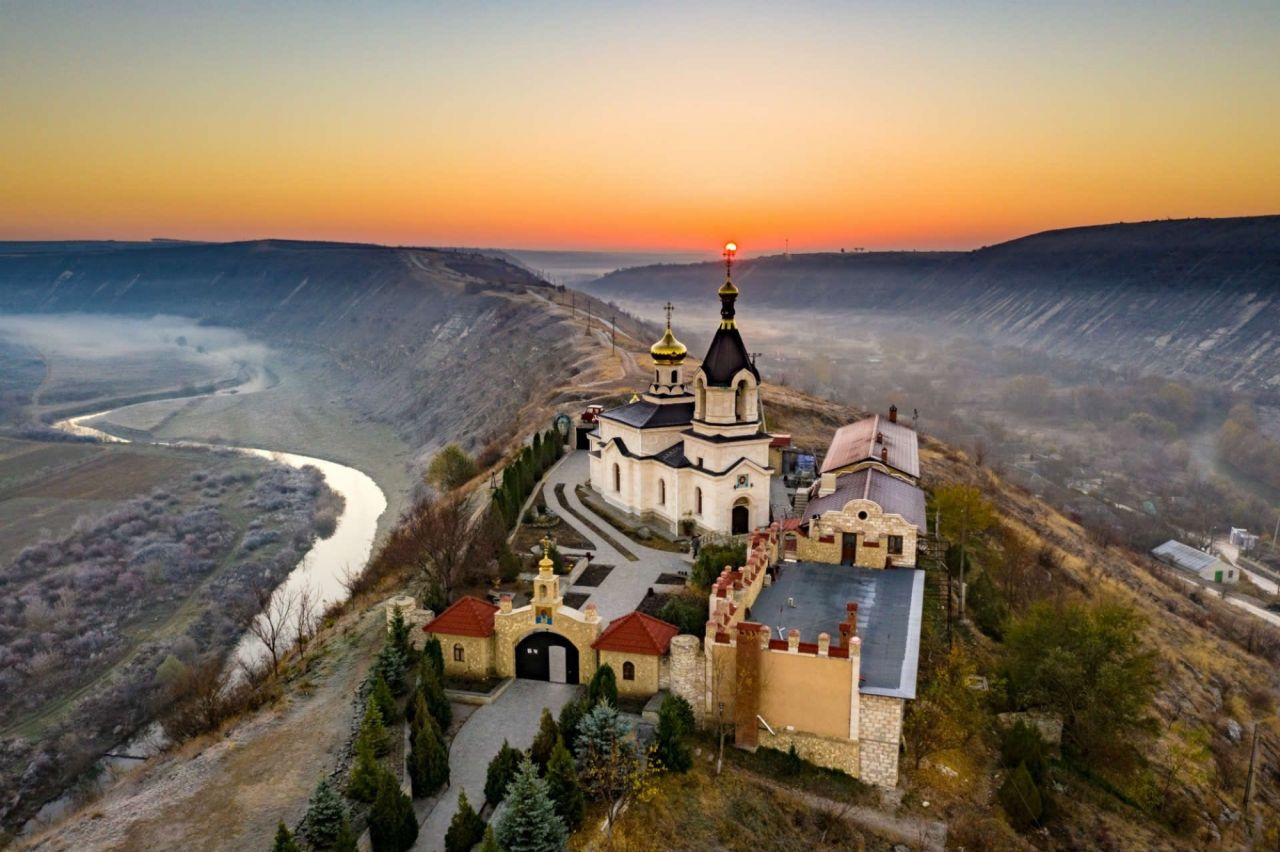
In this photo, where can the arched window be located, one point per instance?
(617, 477)
(700, 402)
(459, 654)
(740, 401)
(662, 492)
(628, 670)
(673, 377)
(697, 500)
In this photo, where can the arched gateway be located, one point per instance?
(545, 655)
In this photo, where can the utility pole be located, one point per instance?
(573, 304)
(588, 317)
(613, 335)
(720, 759)
(1248, 778)
(1275, 535)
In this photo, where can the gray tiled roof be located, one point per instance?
(890, 603)
(643, 414)
(863, 441)
(726, 356)
(888, 492)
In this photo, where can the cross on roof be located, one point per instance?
(668, 307)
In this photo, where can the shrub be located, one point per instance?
(432, 651)
(490, 842)
(363, 783)
(380, 695)
(688, 612)
(530, 822)
(1022, 744)
(545, 742)
(391, 665)
(570, 717)
(393, 827)
(373, 734)
(284, 841)
(989, 610)
(1020, 799)
(325, 815)
(428, 761)
(564, 787)
(466, 829)
(431, 687)
(451, 468)
(712, 559)
(603, 687)
(509, 564)
(674, 724)
(502, 769)
(345, 840)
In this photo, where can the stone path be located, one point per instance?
(513, 716)
(625, 587)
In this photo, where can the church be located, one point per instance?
(690, 453)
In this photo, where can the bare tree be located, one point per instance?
(305, 616)
(453, 545)
(272, 623)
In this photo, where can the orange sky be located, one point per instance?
(607, 126)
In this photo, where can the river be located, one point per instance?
(321, 572)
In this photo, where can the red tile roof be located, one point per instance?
(467, 616)
(637, 633)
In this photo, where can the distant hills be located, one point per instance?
(1195, 296)
(440, 344)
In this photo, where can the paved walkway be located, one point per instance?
(514, 716)
(625, 587)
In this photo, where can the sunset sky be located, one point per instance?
(632, 125)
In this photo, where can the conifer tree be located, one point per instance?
(672, 748)
(563, 786)
(1020, 798)
(431, 685)
(284, 841)
(392, 665)
(490, 842)
(431, 649)
(428, 762)
(570, 716)
(393, 827)
(603, 687)
(325, 815)
(345, 840)
(466, 828)
(372, 732)
(606, 759)
(502, 769)
(530, 822)
(363, 783)
(545, 742)
(380, 694)
(398, 635)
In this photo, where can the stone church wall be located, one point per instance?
(880, 730)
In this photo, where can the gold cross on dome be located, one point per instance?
(668, 307)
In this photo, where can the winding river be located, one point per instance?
(321, 572)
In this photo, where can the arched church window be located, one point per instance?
(662, 492)
(628, 670)
(459, 654)
(673, 377)
(617, 477)
(740, 401)
(700, 403)
(697, 500)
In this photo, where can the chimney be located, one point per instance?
(793, 640)
(893, 414)
(827, 484)
(849, 627)
(824, 644)
(884, 454)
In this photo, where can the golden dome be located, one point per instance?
(668, 350)
(728, 288)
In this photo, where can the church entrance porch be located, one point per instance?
(740, 519)
(547, 656)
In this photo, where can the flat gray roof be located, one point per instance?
(890, 603)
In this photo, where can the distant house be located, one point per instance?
(1243, 539)
(1206, 566)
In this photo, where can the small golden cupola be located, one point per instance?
(668, 352)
